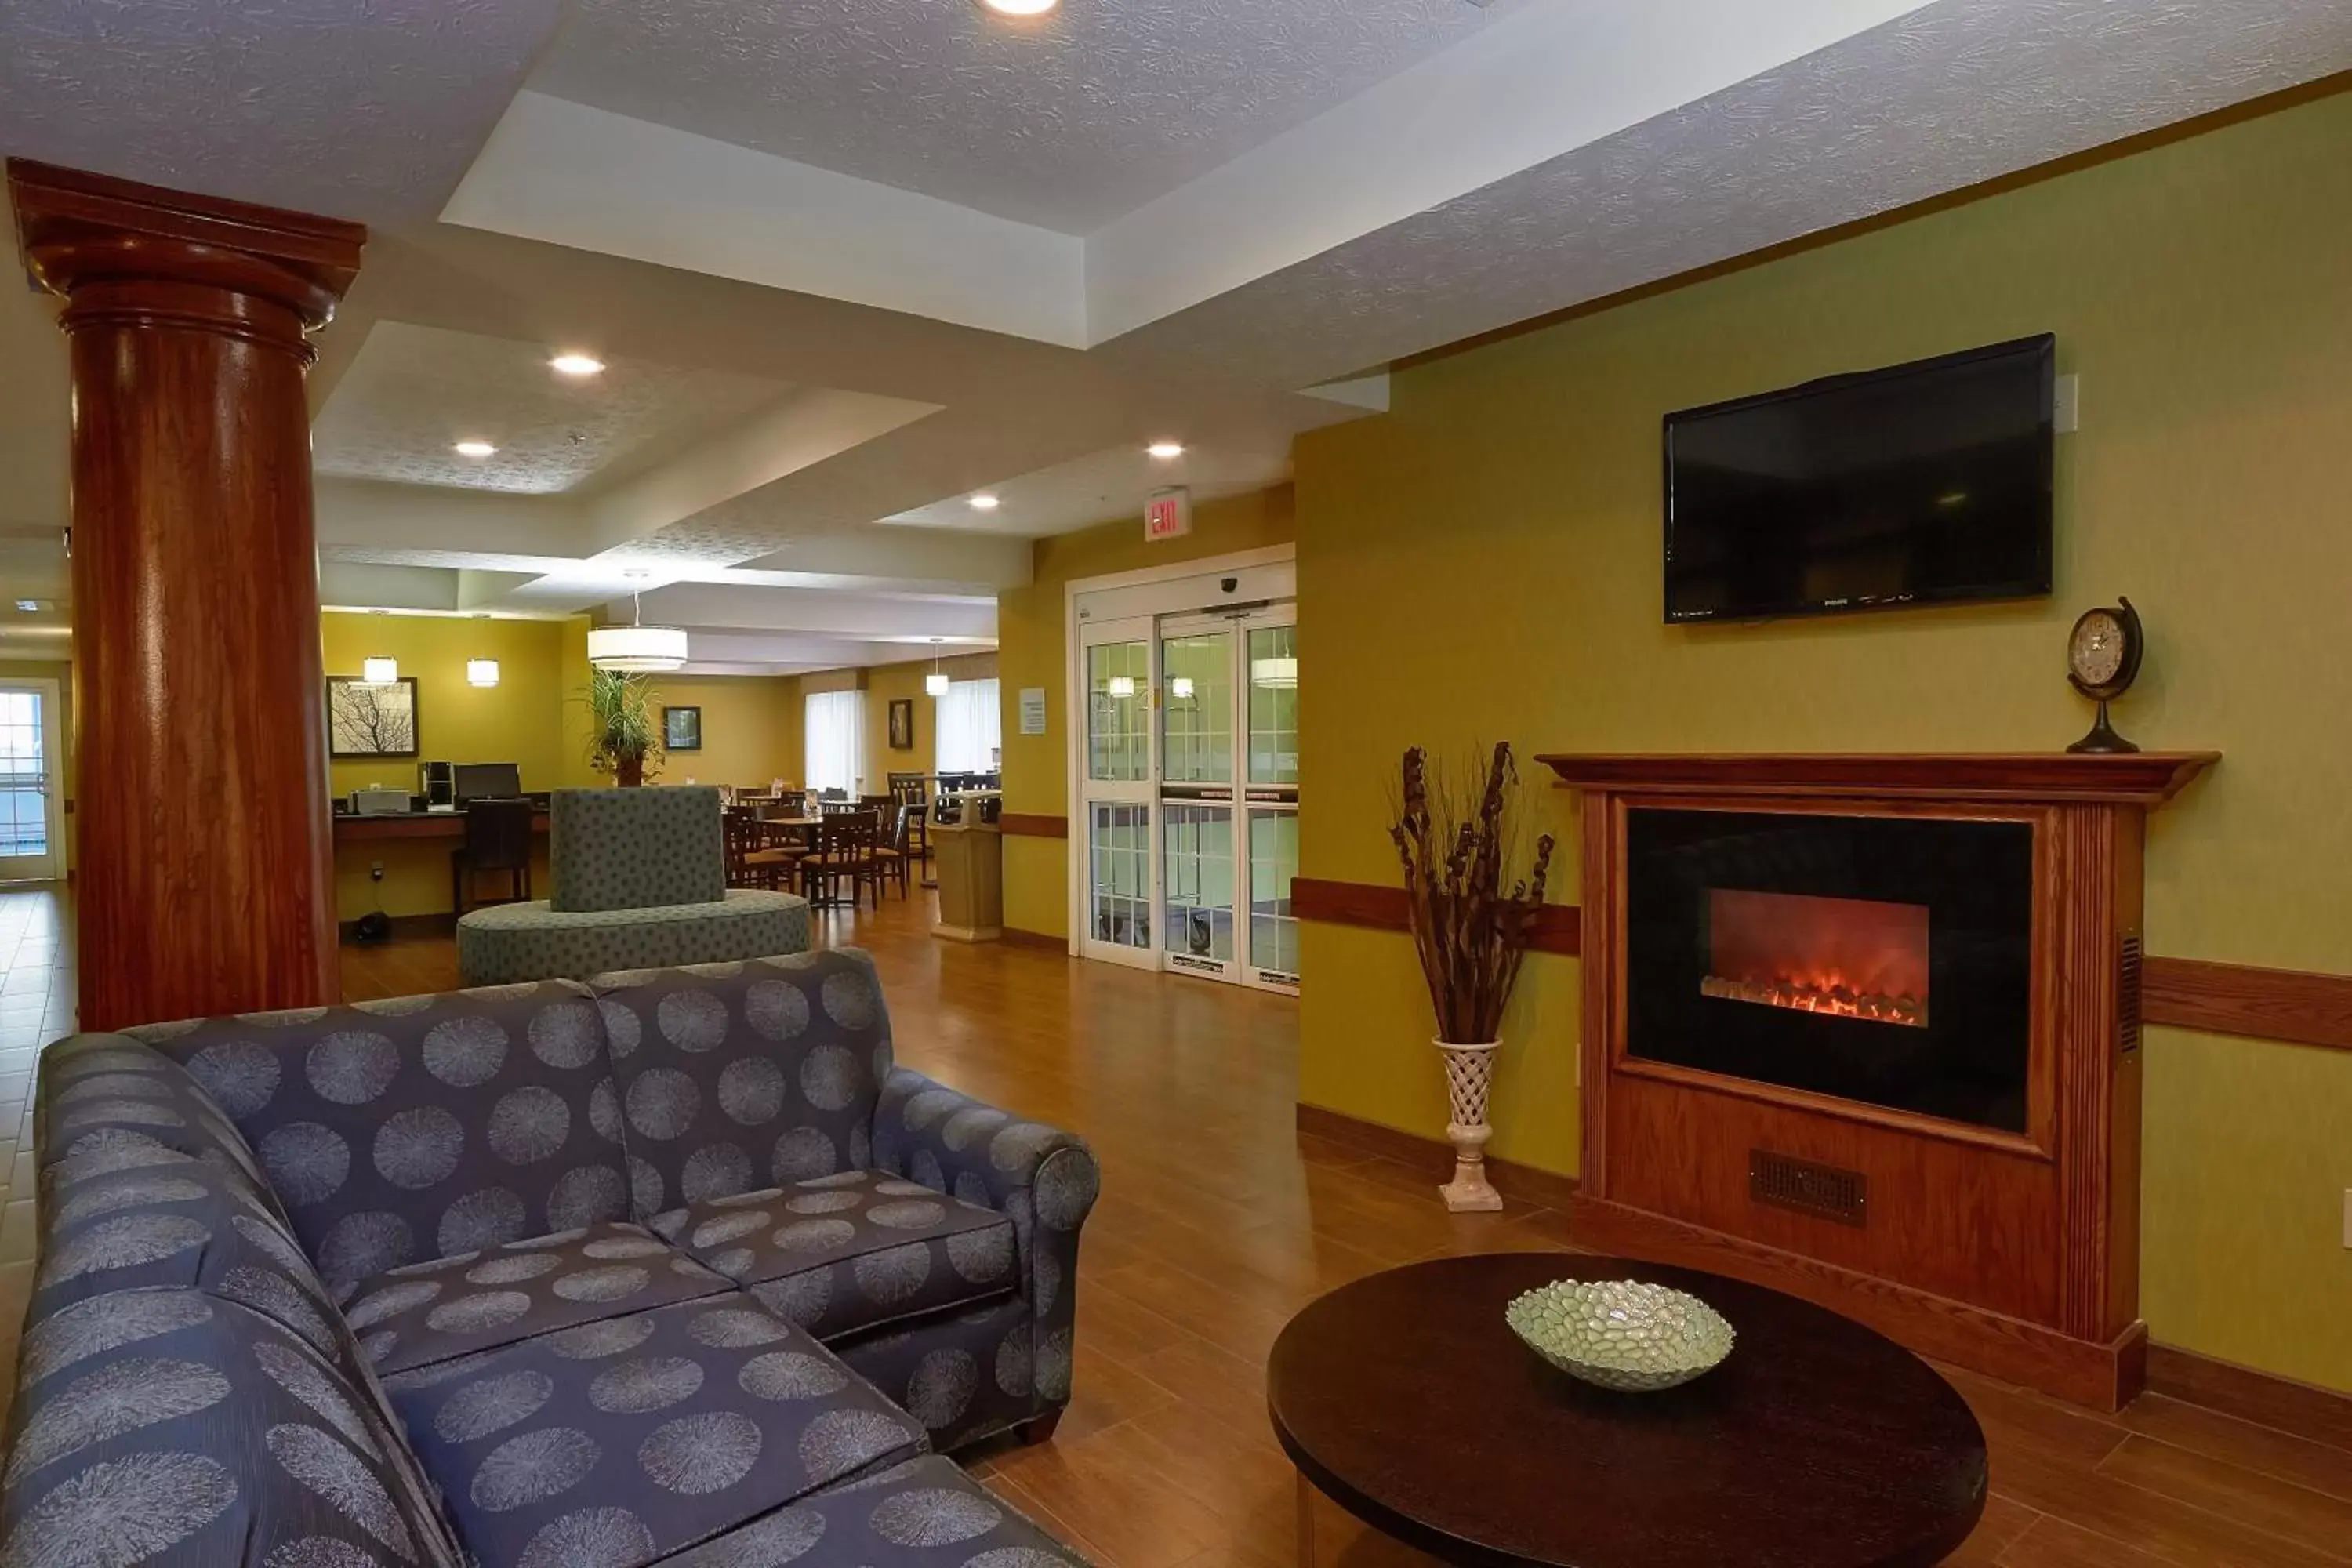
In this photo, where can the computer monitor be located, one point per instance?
(488, 781)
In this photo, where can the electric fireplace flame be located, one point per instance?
(1853, 957)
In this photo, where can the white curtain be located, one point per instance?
(835, 739)
(967, 727)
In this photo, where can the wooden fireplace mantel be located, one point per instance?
(2015, 1252)
(2142, 778)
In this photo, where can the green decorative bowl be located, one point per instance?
(1621, 1333)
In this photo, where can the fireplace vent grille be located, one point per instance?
(2128, 984)
(1826, 1192)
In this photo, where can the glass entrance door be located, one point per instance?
(1116, 666)
(1270, 704)
(1229, 796)
(29, 832)
(1196, 794)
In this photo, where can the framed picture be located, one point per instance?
(681, 729)
(368, 720)
(902, 723)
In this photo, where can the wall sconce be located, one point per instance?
(481, 672)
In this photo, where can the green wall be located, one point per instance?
(1484, 563)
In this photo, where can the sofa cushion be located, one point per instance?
(421, 1313)
(924, 1513)
(620, 1442)
(169, 1426)
(740, 1075)
(850, 1251)
(635, 849)
(505, 943)
(417, 1127)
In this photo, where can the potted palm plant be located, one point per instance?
(623, 734)
(1470, 927)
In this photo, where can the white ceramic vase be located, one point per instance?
(1469, 1080)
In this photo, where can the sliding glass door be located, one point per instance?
(1188, 793)
(1116, 666)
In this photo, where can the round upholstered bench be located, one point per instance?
(505, 944)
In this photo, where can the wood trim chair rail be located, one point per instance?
(2297, 1007)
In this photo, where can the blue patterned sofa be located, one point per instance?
(640, 882)
(676, 1268)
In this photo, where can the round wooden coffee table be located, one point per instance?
(1407, 1400)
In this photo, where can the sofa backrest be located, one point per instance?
(172, 1427)
(735, 1077)
(413, 1128)
(185, 1389)
(635, 849)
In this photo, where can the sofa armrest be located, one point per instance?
(1044, 1179)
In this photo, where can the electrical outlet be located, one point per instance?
(2066, 411)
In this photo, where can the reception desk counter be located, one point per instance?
(445, 825)
(399, 863)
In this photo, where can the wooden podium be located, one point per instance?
(971, 857)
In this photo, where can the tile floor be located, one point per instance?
(37, 1005)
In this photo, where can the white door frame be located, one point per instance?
(1267, 573)
(51, 866)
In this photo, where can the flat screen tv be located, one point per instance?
(1920, 484)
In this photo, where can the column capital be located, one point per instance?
(113, 248)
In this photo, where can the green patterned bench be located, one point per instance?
(640, 883)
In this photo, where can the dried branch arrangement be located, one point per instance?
(1470, 931)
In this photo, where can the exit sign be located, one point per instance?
(1168, 514)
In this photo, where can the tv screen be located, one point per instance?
(1928, 482)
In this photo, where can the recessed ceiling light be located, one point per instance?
(475, 450)
(1166, 449)
(985, 502)
(576, 364)
(1020, 7)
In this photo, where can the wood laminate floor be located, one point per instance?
(1218, 1220)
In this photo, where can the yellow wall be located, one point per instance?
(750, 728)
(534, 717)
(516, 721)
(1484, 563)
(1031, 651)
(61, 672)
(520, 721)
(886, 683)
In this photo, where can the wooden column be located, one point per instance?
(205, 866)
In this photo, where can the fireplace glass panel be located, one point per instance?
(1883, 959)
(1853, 957)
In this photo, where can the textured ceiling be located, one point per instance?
(363, 108)
(1085, 490)
(412, 391)
(1946, 97)
(1065, 122)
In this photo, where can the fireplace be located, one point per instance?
(1883, 959)
(1849, 958)
(1865, 1029)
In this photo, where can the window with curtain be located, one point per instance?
(833, 738)
(966, 724)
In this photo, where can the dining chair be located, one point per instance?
(845, 842)
(498, 838)
(891, 852)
